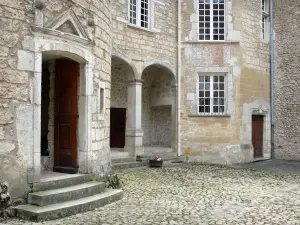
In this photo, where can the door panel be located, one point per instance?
(257, 135)
(66, 116)
(117, 127)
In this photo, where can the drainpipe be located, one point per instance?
(178, 78)
(272, 72)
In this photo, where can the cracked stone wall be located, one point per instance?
(287, 92)
(243, 57)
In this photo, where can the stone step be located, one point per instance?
(55, 196)
(128, 165)
(55, 211)
(65, 180)
(123, 160)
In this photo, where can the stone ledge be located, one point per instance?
(210, 42)
(199, 115)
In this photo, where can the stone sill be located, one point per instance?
(202, 115)
(141, 28)
(210, 42)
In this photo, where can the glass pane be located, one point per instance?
(221, 78)
(207, 86)
(207, 101)
(207, 94)
(201, 78)
(216, 94)
(201, 109)
(201, 94)
(216, 86)
(207, 109)
(221, 93)
(201, 101)
(207, 78)
(216, 109)
(201, 86)
(221, 86)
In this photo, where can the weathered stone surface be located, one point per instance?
(6, 147)
(13, 76)
(6, 117)
(287, 92)
(13, 91)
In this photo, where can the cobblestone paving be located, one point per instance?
(198, 194)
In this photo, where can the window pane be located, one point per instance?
(201, 109)
(201, 78)
(207, 94)
(201, 86)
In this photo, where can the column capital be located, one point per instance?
(135, 82)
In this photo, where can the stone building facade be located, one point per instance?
(144, 84)
(286, 91)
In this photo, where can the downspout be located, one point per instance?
(272, 72)
(178, 78)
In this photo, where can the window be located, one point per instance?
(265, 19)
(139, 12)
(211, 20)
(212, 95)
(101, 101)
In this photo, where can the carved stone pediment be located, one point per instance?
(67, 22)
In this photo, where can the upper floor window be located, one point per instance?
(265, 19)
(212, 95)
(211, 20)
(139, 11)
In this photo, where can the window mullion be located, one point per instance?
(211, 93)
(138, 13)
(211, 20)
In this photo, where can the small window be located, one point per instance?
(265, 19)
(139, 11)
(101, 100)
(211, 20)
(212, 95)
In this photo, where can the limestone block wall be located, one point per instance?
(242, 58)
(141, 45)
(287, 56)
(15, 157)
(119, 83)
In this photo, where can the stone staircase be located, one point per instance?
(65, 195)
(126, 163)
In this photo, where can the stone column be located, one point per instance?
(134, 131)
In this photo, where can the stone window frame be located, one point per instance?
(231, 35)
(211, 82)
(265, 20)
(212, 22)
(194, 102)
(138, 14)
(101, 103)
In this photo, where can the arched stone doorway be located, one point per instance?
(125, 112)
(159, 110)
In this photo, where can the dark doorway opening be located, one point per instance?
(45, 109)
(117, 127)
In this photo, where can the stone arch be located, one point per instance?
(162, 65)
(128, 63)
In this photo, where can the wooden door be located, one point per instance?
(66, 116)
(257, 135)
(117, 127)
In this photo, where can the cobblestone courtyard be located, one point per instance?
(198, 194)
